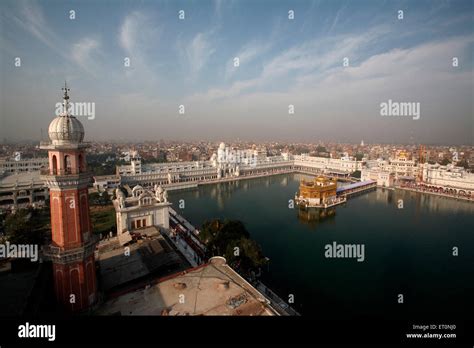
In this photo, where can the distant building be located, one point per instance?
(22, 189)
(20, 182)
(104, 182)
(343, 165)
(449, 176)
(135, 166)
(383, 178)
(402, 166)
(23, 165)
(226, 163)
(185, 156)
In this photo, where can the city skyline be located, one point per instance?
(282, 62)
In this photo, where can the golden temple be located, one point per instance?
(319, 192)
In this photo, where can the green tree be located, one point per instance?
(321, 148)
(26, 226)
(356, 174)
(463, 163)
(445, 161)
(230, 238)
(249, 256)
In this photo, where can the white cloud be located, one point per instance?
(337, 97)
(82, 54)
(336, 18)
(427, 61)
(198, 51)
(32, 20)
(137, 36)
(246, 54)
(129, 31)
(310, 57)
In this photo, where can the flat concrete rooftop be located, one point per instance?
(148, 256)
(22, 178)
(210, 289)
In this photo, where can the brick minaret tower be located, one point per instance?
(73, 245)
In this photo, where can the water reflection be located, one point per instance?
(398, 256)
(314, 216)
(384, 195)
(222, 192)
(434, 204)
(421, 203)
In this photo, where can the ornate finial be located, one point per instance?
(65, 89)
(66, 99)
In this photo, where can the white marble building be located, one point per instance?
(229, 163)
(144, 208)
(382, 177)
(226, 163)
(23, 165)
(448, 176)
(402, 166)
(342, 165)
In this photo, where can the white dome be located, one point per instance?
(222, 146)
(65, 130)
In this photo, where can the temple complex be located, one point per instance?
(319, 192)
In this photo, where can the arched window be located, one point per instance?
(67, 164)
(81, 164)
(55, 165)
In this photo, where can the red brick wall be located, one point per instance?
(70, 220)
(76, 279)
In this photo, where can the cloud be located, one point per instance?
(335, 98)
(247, 54)
(137, 36)
(31, 18)
(199, 50)
(82, 52)
(129, 31)
(289, 65)
(214, 94)
(336, 18)
(429, 60)
(312, 56)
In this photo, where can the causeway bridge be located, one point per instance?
(355, 188)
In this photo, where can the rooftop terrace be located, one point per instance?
(210, 289)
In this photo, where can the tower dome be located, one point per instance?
(65, 128)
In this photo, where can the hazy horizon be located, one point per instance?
(282, 61)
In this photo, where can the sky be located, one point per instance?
(283, 62)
